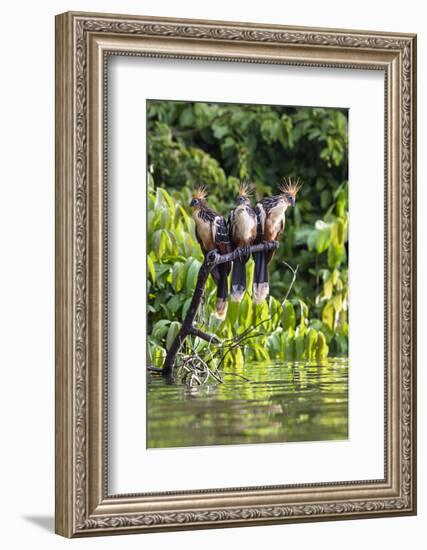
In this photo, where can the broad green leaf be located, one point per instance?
(244, 312)
(299, 345)
(159, 199)
(274, 346)
(228, 329)
(322, 346)
(322, 236)
(325, 198)
(303, 313)
(220, 131)
(328, 316)
(175, 303)
(192, 274)
(168, 199)
(151, 270)
(160, 329)
(340, 232)
(186, 218)
(337, 302)
(289, 344)
(172, 333)
(166, 218)
(233, 312)
(335, 277)
(311, 344)
(185, 308)
(186, 118)
(250, 274)
(261, 352)
(238, 357)
(336, 255)
(155, 242)
(327, 289)
(178, 276)
(288, 318)
(156, 355)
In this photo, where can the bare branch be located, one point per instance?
(212, 339)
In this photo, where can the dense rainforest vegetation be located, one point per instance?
(219, 145)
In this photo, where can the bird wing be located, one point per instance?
(222, 238)
(200, 241)
(205, 229)
(276, 237)
(265, 208)
(260, 219)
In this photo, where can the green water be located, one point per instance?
(282, 402)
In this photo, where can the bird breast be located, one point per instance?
(244, 226)
(204, 230)
(275, 221)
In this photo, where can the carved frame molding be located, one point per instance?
(83, 44)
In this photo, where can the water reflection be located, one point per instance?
(282, 402)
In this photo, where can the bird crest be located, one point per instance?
(200, 193)
(291, 187)
(245, 189)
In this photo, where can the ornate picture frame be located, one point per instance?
(84, 42)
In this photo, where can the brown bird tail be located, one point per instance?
(260, 286)
(221, 305)
(238, 280)
(260, 292)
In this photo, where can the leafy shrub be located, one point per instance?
(218, 145)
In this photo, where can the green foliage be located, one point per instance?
(217, 145)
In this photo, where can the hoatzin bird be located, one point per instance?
(243, 225)
(212, 233)
(270, 213)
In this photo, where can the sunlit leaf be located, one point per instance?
(289, 344)
(337, 302)
(178, 276)
(172, 333)
(311, 344)
(289, 317)
(175, 302)
(327, 289)
(151, 269)
(238, 357)
(160, 329)
(167, 198)
(322, 346)
(300, 352)
(303, 313)
(192, 274)
(336, 255)
(328, 315)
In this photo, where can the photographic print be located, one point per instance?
(264, 357)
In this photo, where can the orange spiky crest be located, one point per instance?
(245, 189)
(200, 193)
(290, 187)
